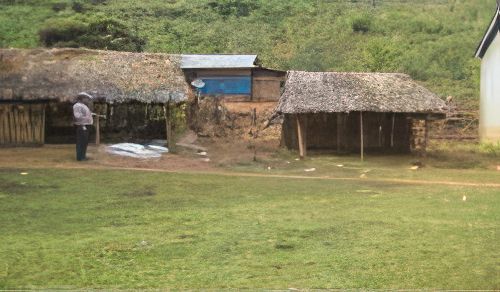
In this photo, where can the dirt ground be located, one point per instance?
(239, 146)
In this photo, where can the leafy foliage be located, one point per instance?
(432, 40)
(96, 32)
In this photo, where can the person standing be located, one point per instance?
(83, 121)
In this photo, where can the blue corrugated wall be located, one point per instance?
(227, 85)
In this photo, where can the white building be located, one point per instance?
(489, 109)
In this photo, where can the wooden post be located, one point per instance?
(361, 126)
(3, 114)
(42, 130)
(392, 130)
(426, 131)
(168, 125)
(97, 131)
(339, 121)
(301, 136)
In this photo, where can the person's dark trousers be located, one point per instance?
(82, 141)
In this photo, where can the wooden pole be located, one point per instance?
(168, 125)
(3, 113)
(97, 131)
(426, 131)
(392, 130)
(300, 134)
(17, 125)
(42, 130)
(339, 117)
(362, 146)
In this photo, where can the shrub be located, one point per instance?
(77, 7)
(362, 23)
(99, 32)
(237, 8)
(59, 6)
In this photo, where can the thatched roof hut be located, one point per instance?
(352, 111)
(30, 79)
(61, 74)
(334, 92)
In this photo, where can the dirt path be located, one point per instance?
(62, 157)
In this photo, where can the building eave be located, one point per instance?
(489, 36)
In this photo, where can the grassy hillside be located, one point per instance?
(432, 40)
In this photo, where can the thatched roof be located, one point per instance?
(313, 92)
(115, 76)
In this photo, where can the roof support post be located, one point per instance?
(361, 126)
(301, 135)
(339, 122)
(392, 130)
(168, 125)
(42, 133)
(426, 131)
(97, 130)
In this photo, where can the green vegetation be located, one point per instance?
(136, 230)
(432, 40)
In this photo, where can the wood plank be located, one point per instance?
(339, 122)
(12, 126)
(29, 128)
(24, 125)
(362, 142)
(7, 125)
(97, 131)
(301, 137)
(42, 134)
(18, 126)
(392, 129)
(2, 124)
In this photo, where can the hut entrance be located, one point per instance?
(22, 123)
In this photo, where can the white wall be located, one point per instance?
(489, 110)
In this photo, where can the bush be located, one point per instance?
(95, 33)
(78, 7)
(57, 7)
(237, 8)
(362, 23)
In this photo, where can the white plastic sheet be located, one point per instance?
(136, 150)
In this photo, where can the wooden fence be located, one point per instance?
(22, 124)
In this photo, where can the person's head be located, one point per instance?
(85, 98)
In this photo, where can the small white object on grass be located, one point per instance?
(24, 173)
(464, 198)
(202, 153)
(310, 169)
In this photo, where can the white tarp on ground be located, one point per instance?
(136, 150)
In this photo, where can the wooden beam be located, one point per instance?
(168, 125)
(97, 131)
(301, 136)
(362, 142)
(426, 132)
(42, 129)
(392, 130)
(339, 122)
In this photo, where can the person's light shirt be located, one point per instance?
(82, 114)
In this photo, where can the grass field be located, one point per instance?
(117, 229)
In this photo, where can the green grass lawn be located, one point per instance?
(137, 230)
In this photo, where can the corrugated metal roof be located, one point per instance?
(490, 35)
(218, 61)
